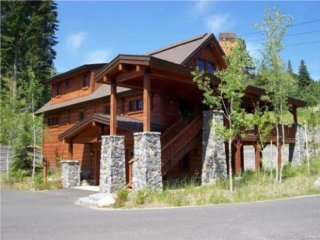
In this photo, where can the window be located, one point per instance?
(107, 109)
(132, 106)
(67, 84)
(210, 68)
(58, 90)
(139, 104)
(85, 81)
(136, 105)
(53, 120)
(206, 66)
(201, 64)
(81, 116)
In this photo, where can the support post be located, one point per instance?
(146, 167)
(214, 149)
(257, 156)
(70, 150)
(113, 108)
(237, 158)
(146, 103)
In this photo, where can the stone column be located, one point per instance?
(297, 151)
(112, 164)
(70, 173)
(214, 163)
(146, 168)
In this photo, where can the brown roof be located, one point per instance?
(125, 123)
(181, 51)
(102, 91)
(85, 67)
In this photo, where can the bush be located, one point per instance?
(122, 197)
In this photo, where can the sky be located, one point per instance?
(97, 31)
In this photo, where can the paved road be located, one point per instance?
(53, 215)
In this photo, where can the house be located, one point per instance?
(148, 93)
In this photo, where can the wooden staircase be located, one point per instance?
(177, 141)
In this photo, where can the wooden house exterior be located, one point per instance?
(132, 93)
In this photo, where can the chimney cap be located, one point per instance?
(227, 36)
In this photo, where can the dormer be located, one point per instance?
(203, 51)
(75, 83)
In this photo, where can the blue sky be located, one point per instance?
(96, 31)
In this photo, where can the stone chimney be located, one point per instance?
(227, 41)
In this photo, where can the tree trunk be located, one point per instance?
(283, 143)
(271, 161)
(34, 140)
(230, 166)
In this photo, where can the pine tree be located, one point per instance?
(28, 37)
(304, 78)
(290, 71)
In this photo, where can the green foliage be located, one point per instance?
(304, 78)
(27, 41)
(122, 197)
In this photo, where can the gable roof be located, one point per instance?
(102, 91)
(85, 67)
(126, 123)
(180, 52)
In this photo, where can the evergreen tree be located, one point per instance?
(27, 54)
(304, 78)
(28, 37)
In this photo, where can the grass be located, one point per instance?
(250, 187)
(21, 181)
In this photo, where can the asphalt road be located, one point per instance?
(53, 215)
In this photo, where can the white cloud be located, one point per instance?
(98, 56)
(201, 6)
(75, 40)
(219, 22)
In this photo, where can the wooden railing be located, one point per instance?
(173, 130)
(289, 133)
(178, 142)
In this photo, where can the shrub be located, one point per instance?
(122, 197)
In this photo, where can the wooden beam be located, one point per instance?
(146, 103)
(257, 156)
(70, 150)
(237, 158)
(128, 75)
(113, 108)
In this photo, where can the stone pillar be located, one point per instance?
(112, 164)
(146, 167)
(297, 151)
(70, 173)
(214, 163)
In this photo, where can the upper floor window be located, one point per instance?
(210, 68)
(67, 84)
(206, 66)
(201, 64)
(81, 116)
(107, 109)
(139, 104)
(136, 105)
(58, 89)
(53, 120)
(85, 80)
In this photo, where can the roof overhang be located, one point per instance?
(142, 63)
(125, 123)
(75, 71)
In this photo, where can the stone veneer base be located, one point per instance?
(146, 168)
(214, 163)
(112, 164)
(70, 173)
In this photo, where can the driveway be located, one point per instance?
(53, 215)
